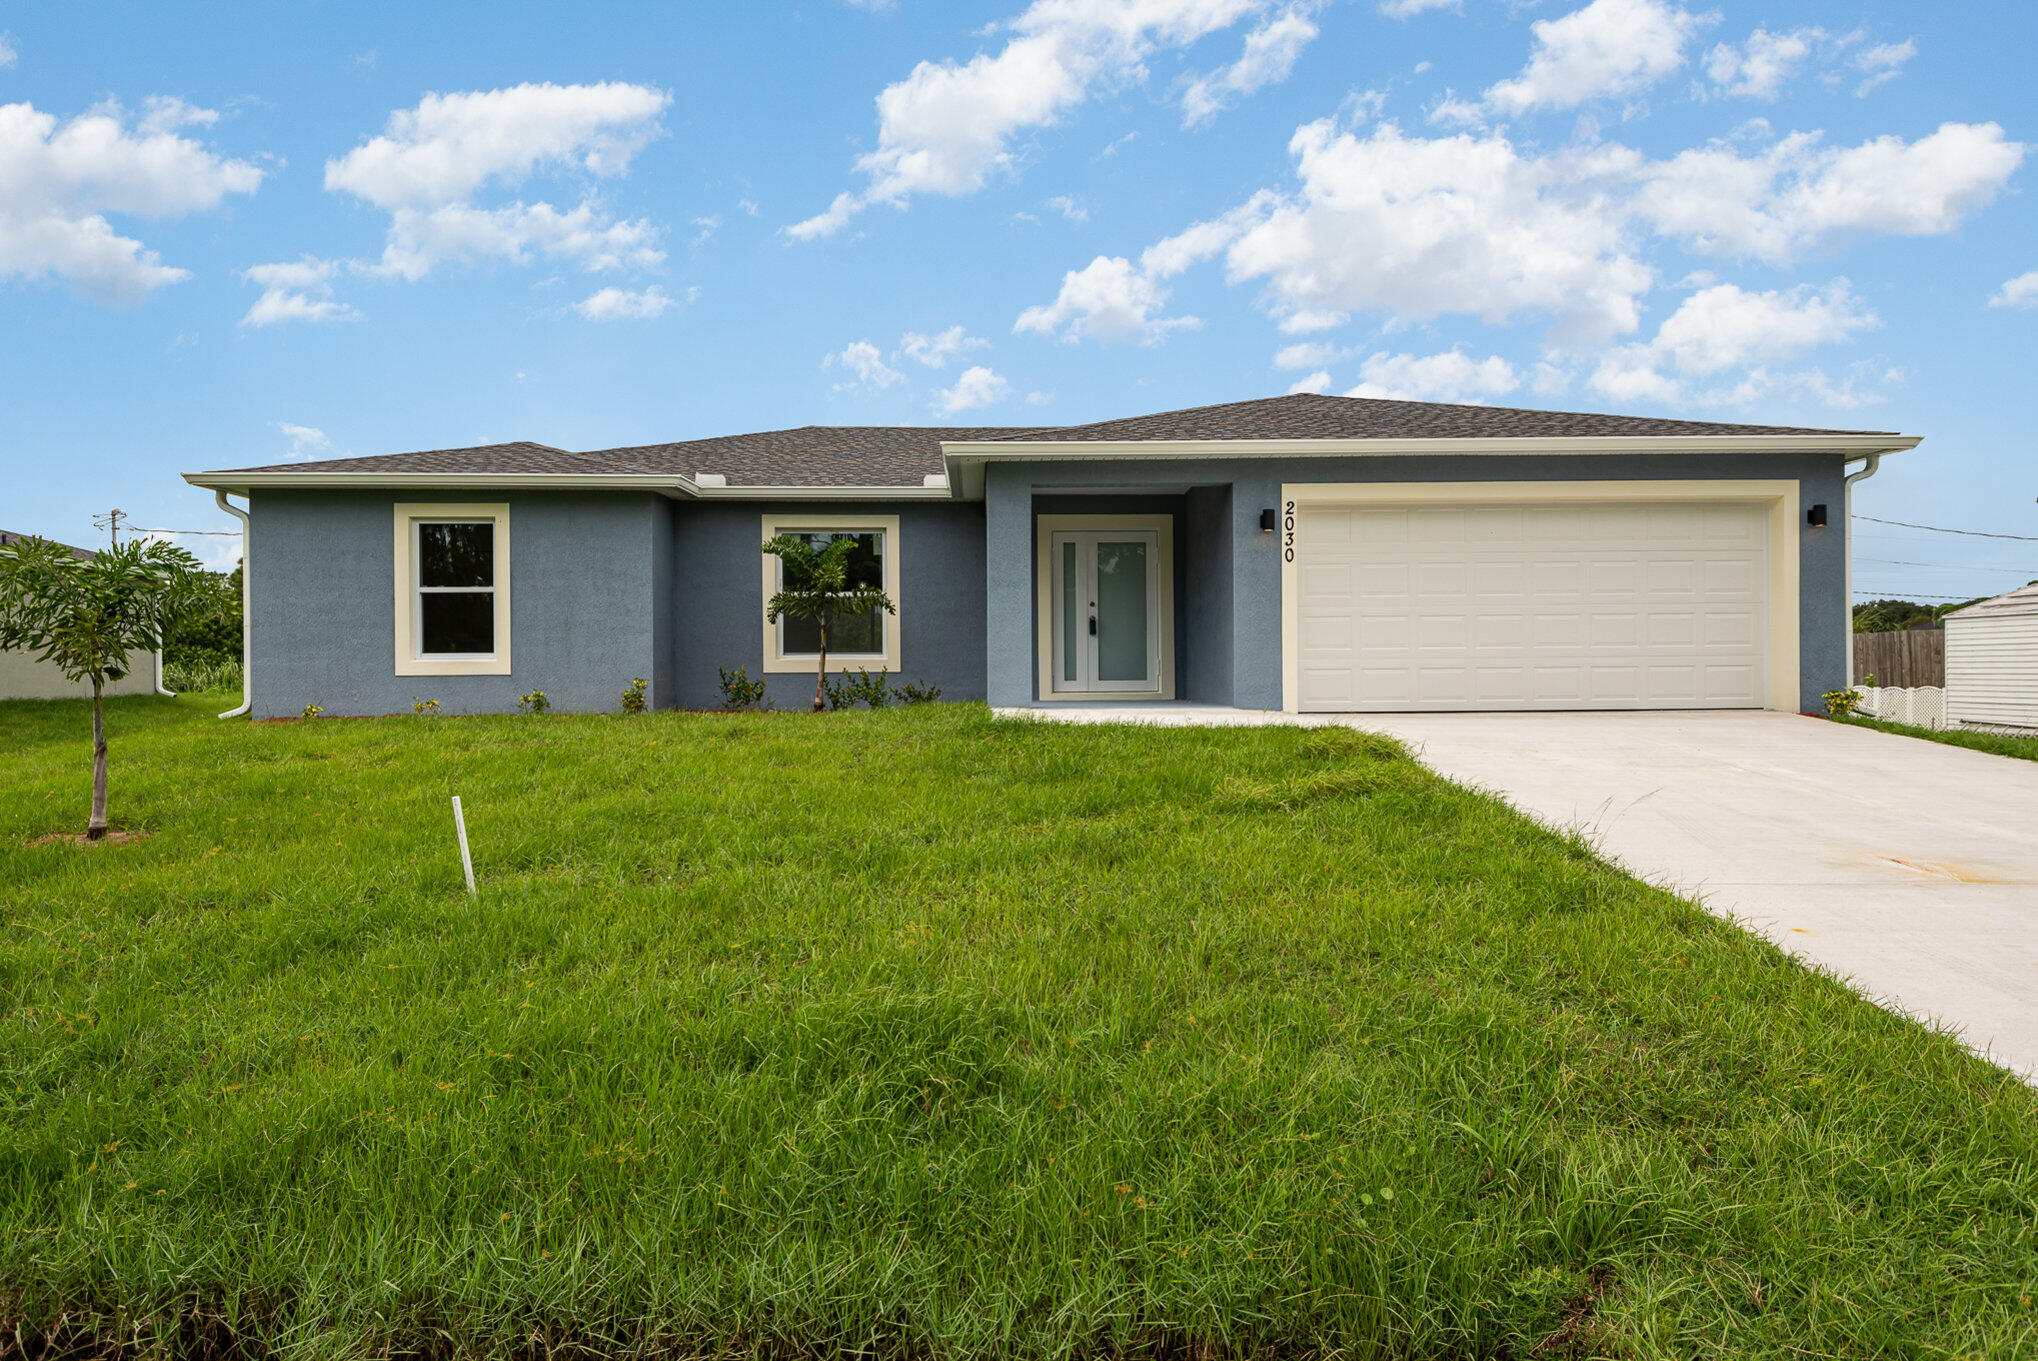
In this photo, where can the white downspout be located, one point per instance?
(1847, 520)
(168, 694)
(247, 613)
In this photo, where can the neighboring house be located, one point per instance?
(23, 677)
(1302, 552)
(1992, 662)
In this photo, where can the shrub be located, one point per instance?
(915, 693)
(875, 691)
(633, 697)
(738, 690)
(423, 708)
(311, 711)
(533, 703)
(836, 693)
(202, 676)
(1840, 703)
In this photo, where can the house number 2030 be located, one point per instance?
(1288, 531)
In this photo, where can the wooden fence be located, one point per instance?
(1907, 658)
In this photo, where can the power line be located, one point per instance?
(1955, 566)
(1977, 533)
(223, 533)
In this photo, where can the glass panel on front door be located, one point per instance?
(1107, 601)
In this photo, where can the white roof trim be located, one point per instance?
(965, 459)
(678, 488)
(964, 462)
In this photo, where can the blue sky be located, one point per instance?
(248, 234)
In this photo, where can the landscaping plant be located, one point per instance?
(424, 708)
(738, 690)
(814, 584)
(633, 696)
(87, 616)
(534, 703)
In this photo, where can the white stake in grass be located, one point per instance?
(466, 861)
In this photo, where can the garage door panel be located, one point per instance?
(1533, 605)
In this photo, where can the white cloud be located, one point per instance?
(1269, 55)
(1608, 48)
(58, 181)
(450, 146)
(620, 304)
(949, 126)
(1417, 227)
(418, 241)
(1797, 195)
(1408, 9)
(1759, 70)
(167, 113)
(1448, 377)
(1726, 327)
(1315, 382)
(295, 290)
(1308, 354)
(304, 440)
(2021, 291)
(1069, 207)
(1108, 299)
(1882, 64)
(976, 387)
(431, 162)
(866, 365)
(936, 350)
(8, 53)
(705, 228)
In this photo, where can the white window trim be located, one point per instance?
(1785, 608)
(776, 662)
(409, 662)
(1045, 527)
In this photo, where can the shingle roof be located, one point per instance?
(8, 538)
(1308, 415)
(898, 456)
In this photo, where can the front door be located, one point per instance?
(1107, 603)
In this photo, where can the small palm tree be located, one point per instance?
(85, 616)
(814, 584)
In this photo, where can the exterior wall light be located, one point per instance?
(1816, 516)
(1270, 520)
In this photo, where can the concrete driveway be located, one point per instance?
(1909, 867)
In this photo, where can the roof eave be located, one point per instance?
(965, 459)
(666, 484)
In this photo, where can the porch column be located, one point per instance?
(1008, 585)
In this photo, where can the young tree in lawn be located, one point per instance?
(814, 584)
(86, 615)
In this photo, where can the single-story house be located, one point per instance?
(1302, 553)
(23, 677)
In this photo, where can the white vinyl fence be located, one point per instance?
(1921, 706)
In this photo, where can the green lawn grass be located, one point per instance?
(916, 1034)
(1998, 744)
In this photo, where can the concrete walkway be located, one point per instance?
(1909, 867)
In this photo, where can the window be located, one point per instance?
(869, 638)
(452, 590)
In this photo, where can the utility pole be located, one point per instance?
(110, 522)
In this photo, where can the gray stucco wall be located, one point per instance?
(1255, 562)
(604, 587)
(583, 597)
(717, 619)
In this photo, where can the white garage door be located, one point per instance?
(1655, 605)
